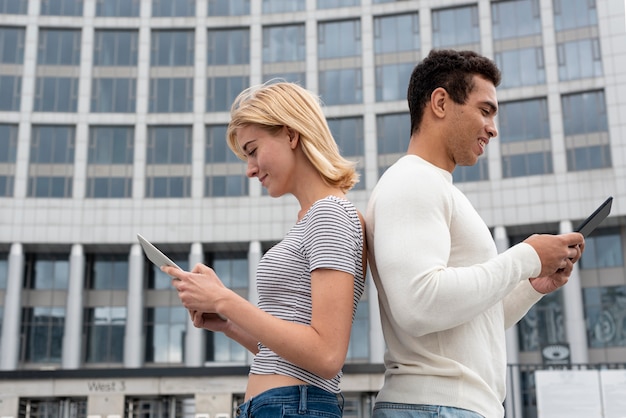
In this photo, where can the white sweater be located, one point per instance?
(445, 294)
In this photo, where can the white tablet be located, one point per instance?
(157, 257)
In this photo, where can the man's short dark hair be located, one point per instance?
(450, 69)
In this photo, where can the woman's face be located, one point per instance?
(270, 158)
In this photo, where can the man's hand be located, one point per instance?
(557, 253)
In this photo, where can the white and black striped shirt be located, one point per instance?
(329, 236)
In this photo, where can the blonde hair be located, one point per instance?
(274, 105)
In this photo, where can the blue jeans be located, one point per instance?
(292, 401)
(405, 410)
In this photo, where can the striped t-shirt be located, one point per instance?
(329, 236)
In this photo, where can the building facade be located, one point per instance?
(112, 123)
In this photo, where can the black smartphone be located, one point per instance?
(592, 222)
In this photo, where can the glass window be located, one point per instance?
(105, 331)
(18, 7)
(117, 8)
(115, 48)
(283, 6)
(571, 14)
(170, 148)
(166, 8)
(226, 185)
(359, 347)
(165, 334)
(391, 81)
(46, 272)
(396, 33)
(284, 43)
(222, 179)
(476, 172)
(339, 87)
(62, 7)
(172, 48)
(330, 4)
(110, 145)
(228, 46)
(10, 92)
(42, 334)
(348, 133)
(158, 280)
(12, 45)
(603, 249)
(521, 67)
(59, 47)
(525, 138)
(53, 407)
(455, 26)
(169, 145)
(586, 130)
(605, 312)
(107, 272)
(393, 133)
(56, 94)
(222, 91)
(228, 7)
(8, 154)
(113, 95)
(515, 19)
(584, 113)
(4, 275)
(52, 144)
(171, 95)
(543, 324)
(339, 39)
(579, 59)
(216, 149)
(232, 269)
(523, 120)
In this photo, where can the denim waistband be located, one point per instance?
(301, 395)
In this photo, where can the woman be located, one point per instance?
(308, 284)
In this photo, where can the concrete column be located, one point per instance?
(134, 337)
(9, 348)
(513, 401)
(194, 341)
(254, 256)
(575, 327)
(72, 338)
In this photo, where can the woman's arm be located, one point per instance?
(320, 347)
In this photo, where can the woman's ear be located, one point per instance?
(294, 137)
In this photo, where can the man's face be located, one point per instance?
(473, 124)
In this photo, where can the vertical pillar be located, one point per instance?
(72, 338)
(194, 341)
(513, 401)
(134, 337)
(12, 310)
(575, 327)
(254, 256)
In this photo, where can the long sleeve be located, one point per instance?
(434, 252)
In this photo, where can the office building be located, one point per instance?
(112, 123)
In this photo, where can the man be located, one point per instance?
(446, 296)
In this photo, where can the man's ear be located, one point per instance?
(294, 137)
(438, 101)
